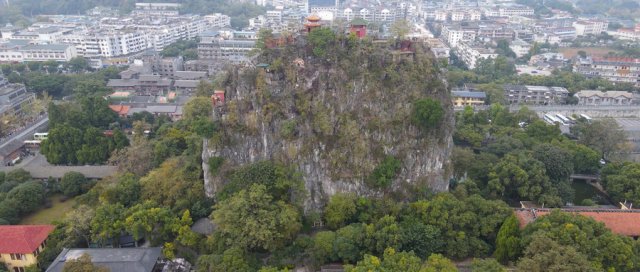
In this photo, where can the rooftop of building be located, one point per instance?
(470, 94)
(23, 239)
(607, 94)
(114, 259)
(623, 222)
(50, 47)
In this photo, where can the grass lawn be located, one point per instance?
(48, 215)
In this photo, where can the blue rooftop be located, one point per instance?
(469, 94)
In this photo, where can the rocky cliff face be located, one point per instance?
(335, 119)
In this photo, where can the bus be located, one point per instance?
(586, 117)
(32, 144)
(40, 136)
(551, 119)
(564, 119)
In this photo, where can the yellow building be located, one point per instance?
(467, 98)
(20, 245)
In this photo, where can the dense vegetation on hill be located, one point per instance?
(349, 114)
(262, 223)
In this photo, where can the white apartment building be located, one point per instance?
(626, 34)
(441, 15)
(457, 15)
(473, 15)
(44, 52)
(514, 11)
(520, 48)
(274, 16)
(590, 27)
(615, 69)
(471, 54)
(453, 36)
(157, 9)
(218, 20)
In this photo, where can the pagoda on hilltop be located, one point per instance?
(313, 21)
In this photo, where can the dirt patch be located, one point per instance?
(570, 52)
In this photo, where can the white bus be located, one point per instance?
(551, 119)
(563, 118)
(586, 117)
(40, 136)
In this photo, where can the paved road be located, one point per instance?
(564, 107)
(40, 169)
(25, 133)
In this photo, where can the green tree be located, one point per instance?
(136, 159)
(486, 265)
(29, 196)
(19, 175)
(421, 239)
(120, 140)
(467, 225)
(400, 29)
(508, 241)
(427, 113)
(108, 223)
(340, 210)
(349, 243)
(605, 136)
(233, 259)
(391, 261)
(322, 250)
(124, 189)
(504, 49)
(493, 69)
(198, 107)
(522, 177)
(384, 233)
(78, 64)
(282, 183)
(78, 223)
(321, 39)
(542, 132)
(557, 161)
(439, 263)
(544, 254)
(605, 250)
(173, 184)
(82, 264)
(384, 174)
(251, 219)
(154, 224)
(622, 181)
(73, 184)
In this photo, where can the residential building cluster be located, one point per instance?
(472, 53)
(534, 95)
(632, 34)
(615, 69)
(103, 37)
(460, 23)
(469, 95)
